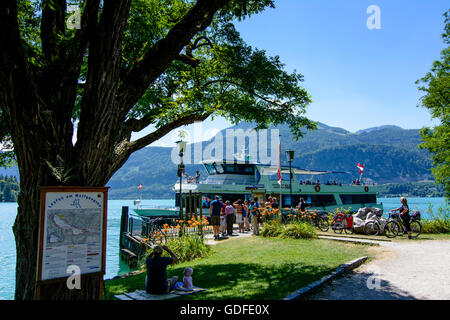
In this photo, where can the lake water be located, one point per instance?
(113, 264)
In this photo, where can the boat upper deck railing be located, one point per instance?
(231, 181)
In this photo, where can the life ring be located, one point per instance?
(317, 188)
(366, 188)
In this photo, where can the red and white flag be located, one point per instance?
(360, 167)
(140, 186)
(279, 163)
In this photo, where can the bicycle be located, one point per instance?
(317, 219)
(374, 227)
(395, 225)
(341, 222)
(321, 221)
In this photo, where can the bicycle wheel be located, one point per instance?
(323, 224)
(372, 228)
(349, 231)
(416, 229)
(391, 229)
(337, 227)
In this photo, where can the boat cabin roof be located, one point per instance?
(264, 169)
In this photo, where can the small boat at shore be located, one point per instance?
(243, 179)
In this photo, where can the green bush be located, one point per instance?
(299, 230)
(438, 221)
(186, 247)
(272, 228)
(293, 230)
(189, 247)
(435, 226)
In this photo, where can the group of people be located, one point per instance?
(193, 179)
(308, 182)
(243, 213)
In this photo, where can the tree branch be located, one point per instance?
(87, 32)
(52, 27)
(162, 131)
(188, 60)
(105, 58)
(13, 67)
(160, 55)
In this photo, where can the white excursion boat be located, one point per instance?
(239, 179)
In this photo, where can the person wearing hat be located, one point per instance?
(156, 280)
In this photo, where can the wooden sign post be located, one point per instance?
(72, 236)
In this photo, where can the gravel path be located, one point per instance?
(400, 271)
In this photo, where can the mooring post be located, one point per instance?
(190, 204)
(195, 205)
(123, 225)
(201, 214)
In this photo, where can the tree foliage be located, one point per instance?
(436, 85)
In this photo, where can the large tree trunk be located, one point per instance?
(37, 102)
(34, 164)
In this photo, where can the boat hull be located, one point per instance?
(162, 212)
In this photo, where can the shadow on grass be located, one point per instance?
(237, 281)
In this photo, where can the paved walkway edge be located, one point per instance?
(317, 284)
(359, 241)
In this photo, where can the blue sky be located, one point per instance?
(358, 78)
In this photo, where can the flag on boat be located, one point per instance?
(360, 167)
(279, 163)
(140, 186)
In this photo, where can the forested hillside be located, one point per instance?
(389, 153)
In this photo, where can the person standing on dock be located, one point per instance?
(156, 280)
(214, 212)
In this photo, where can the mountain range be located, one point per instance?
(389, 154)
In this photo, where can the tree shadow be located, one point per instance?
(242, 281)
(359, 286)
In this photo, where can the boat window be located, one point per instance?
(218, 167)
(209, 168)
(231, 168)
(242, 169)
(358, 198)
(284, 177)
(315, 200)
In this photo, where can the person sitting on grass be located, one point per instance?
(187, 279)
(156, 280)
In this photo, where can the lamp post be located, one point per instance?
(181, 149)
(290, 157)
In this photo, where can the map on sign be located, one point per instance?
(73, 233)
(73, 226)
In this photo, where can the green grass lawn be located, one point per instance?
(255, 268)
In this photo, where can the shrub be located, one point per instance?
(438, 221)
(293, 230)
(272, 228)
(187, 248)
(435, 226)
(299, 230)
